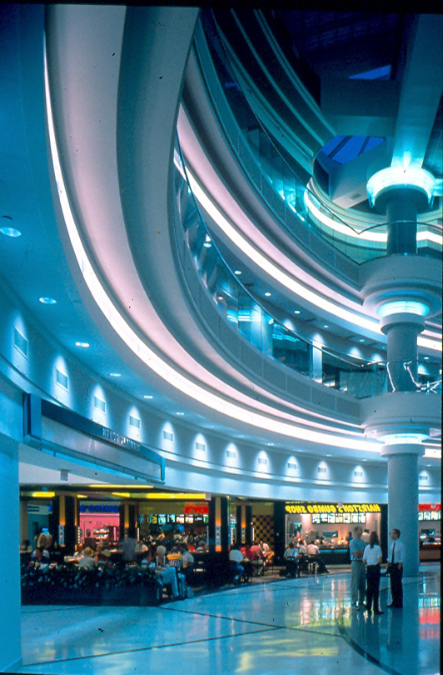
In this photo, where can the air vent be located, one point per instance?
(200, 446)
(231, 453)
(292, 465)
(168, 436)
(99, 404)
(64, 474)
(134, 422)
(322, 469)
(262, 460)
(20, 342)
(358, 474)
(61, 379)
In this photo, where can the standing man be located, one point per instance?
(396, 561)
(358, 580)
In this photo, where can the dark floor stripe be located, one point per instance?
(366, 655)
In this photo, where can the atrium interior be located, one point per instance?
(220, 289)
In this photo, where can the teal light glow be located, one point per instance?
(403, 307)
(10, 232)
(47, 301)
(397, 176)
(411, 438)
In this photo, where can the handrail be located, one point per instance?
(256, 323)
(271, 155)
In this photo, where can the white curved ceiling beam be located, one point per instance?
(91, 203)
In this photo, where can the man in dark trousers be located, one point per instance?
(396, 561)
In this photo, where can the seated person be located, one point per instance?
(187, 561)
(26, 546)
(268, 555)
(40, 557)
(257, 559)
(291, 559)
(165, 574)
(87, 562)
(236, 562)
(103, 558)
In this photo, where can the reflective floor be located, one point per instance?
(302, 625)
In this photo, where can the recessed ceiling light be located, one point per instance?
(220, 297)
(361, 340)
(47, 301)
(10, 232)
(364, 460)
(147, 396)
(428, 464)
(328, 455)
(270, 443)
(326, 325)
(115, 375)
(267, 294)
(84, 345)
(207, 244)
(296, 311)
(426, 358)
(237, 272)
(180, 413)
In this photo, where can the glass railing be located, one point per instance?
(280, 180)
(352, 375)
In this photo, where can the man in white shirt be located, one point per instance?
(396, 559)
(291, 558)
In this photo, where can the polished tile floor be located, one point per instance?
(302, 625)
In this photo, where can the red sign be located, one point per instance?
(429, 507)
(196, 509)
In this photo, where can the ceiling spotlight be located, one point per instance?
(237, 272)
(83, 345)
(148, 396)
(180, 413)
(268, 294)
(326, 325)
(361, 340)
(10, 232)
(296, 311)
(115, 375)
(47, 301)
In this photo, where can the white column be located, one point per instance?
(403, 498)
(10, 610)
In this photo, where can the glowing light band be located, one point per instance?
(153, 360)
(399, 177)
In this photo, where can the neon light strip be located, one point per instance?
(270, 268)
(147, 355)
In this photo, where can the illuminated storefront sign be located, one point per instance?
(310, 508)
(196, 509)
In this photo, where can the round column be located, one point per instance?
(403, 498)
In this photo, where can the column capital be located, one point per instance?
(403, 449)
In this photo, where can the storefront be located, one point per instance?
(330, 525)
(99, 521)
(172, 516)
(429, 526)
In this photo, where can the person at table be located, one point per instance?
(236, 562)
(187, 565)
(291, 560)
(87, 562)
(258, 559)
(166, 575)
(40, 557)
(372, 558)
(268, 554)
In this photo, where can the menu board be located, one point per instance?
(315, 518)
(420, 515)
(346, 517)
(362, 517)
(354, 517)
(323, 517)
